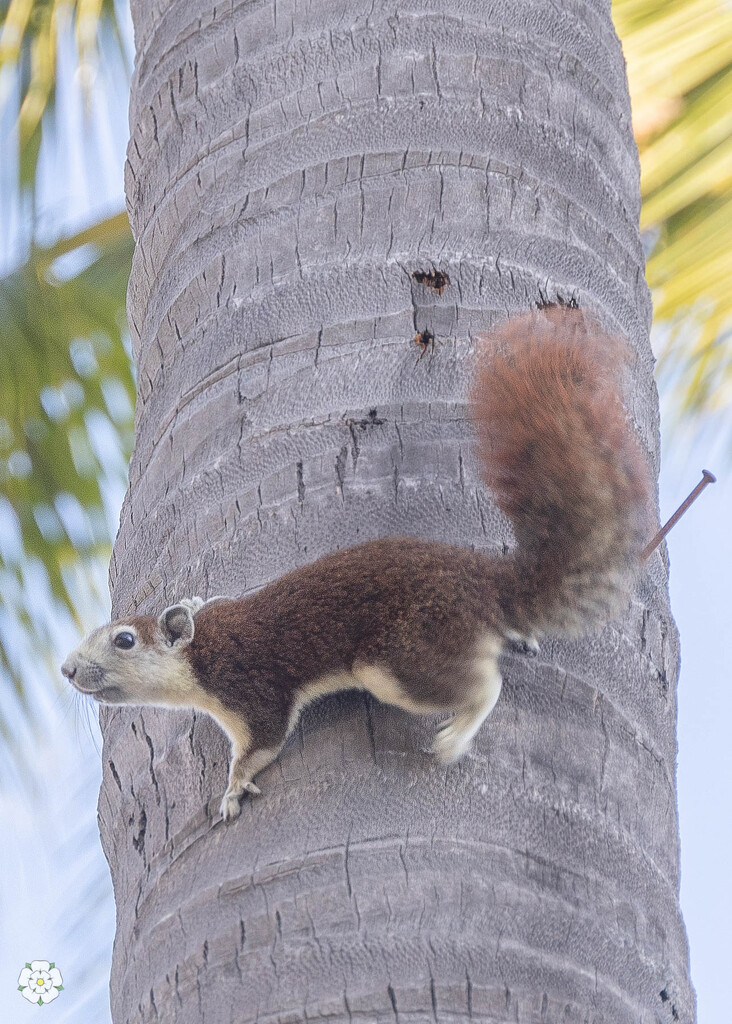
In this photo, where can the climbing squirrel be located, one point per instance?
(416, 623)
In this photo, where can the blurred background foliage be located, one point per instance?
(66, 382)
(28, 54)
(66, 402)
(679, 59)
(66, 378)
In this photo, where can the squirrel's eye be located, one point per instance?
(124, 640)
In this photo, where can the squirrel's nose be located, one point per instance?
(69, 669)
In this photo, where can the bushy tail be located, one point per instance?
(564, 464)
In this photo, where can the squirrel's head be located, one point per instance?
(139, 660)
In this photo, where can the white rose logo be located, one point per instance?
(40, 982)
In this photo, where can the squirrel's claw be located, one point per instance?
(522, 644)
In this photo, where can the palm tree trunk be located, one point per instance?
(297, 168)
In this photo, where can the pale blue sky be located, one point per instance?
(50, 848)
(701, 598)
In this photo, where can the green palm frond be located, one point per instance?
(679, 56)
(29, 37)
(66, 405)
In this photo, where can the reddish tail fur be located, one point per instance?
(564, 464)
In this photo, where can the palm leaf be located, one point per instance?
(29, 34)
(67, 396)
(679, 57)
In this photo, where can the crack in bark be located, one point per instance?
(151, 769)
(115, 775)
(392, 1000)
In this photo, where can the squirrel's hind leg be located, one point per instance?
(455, 736)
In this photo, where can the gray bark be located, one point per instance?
(292, 165)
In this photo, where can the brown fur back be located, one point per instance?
(415, 607)
(564, 464)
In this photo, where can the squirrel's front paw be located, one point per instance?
(230, 806)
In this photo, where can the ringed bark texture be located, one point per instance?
(331, 199)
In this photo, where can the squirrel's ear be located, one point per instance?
(176, 623)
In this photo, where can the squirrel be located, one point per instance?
(419, 624)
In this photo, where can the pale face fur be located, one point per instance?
(153, 670)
